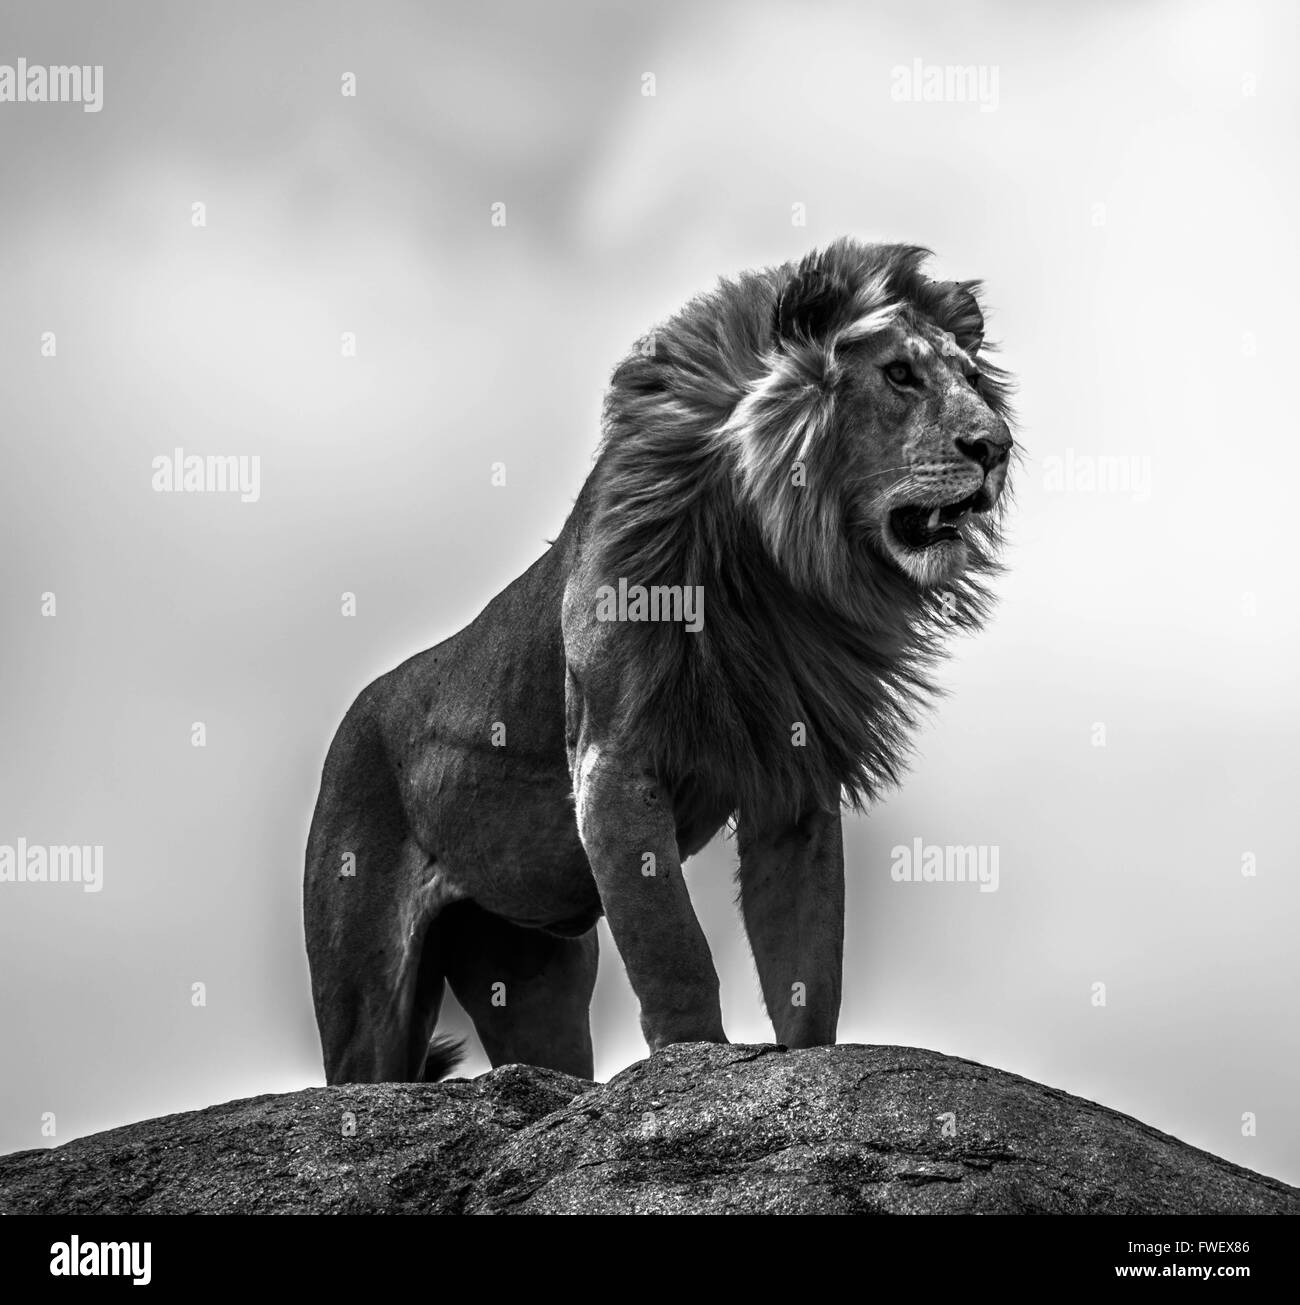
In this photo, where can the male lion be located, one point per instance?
(797, 478)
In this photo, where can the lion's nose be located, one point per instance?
(988, 450)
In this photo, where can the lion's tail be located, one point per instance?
(444, 1055)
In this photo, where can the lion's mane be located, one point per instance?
(703, 425)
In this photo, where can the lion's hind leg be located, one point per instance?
(528, 992)
(378, 977)
(372, 902)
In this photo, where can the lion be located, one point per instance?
(796, 497)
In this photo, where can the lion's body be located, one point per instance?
(484, 803)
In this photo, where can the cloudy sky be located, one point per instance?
(1123, 733)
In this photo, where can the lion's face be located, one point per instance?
(848, 408)
(932, 454)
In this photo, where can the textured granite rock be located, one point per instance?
(695, 1129)
(371, 1148)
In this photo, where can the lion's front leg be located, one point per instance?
(792, 897)
(628, 832)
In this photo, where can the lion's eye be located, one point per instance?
(901, 373)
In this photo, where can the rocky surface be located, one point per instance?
(362, 1149)
(694, 1129)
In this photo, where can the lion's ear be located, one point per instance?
(811, 302)
(960, 312)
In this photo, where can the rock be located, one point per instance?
(694, 1129)
(417, 1149)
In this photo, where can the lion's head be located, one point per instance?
(822, 447)
(930, 449)
(877, 417)
(852, 405)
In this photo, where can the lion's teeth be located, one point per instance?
(933, 523)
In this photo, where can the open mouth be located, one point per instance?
(921, 526)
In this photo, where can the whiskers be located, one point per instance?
(906, 490)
